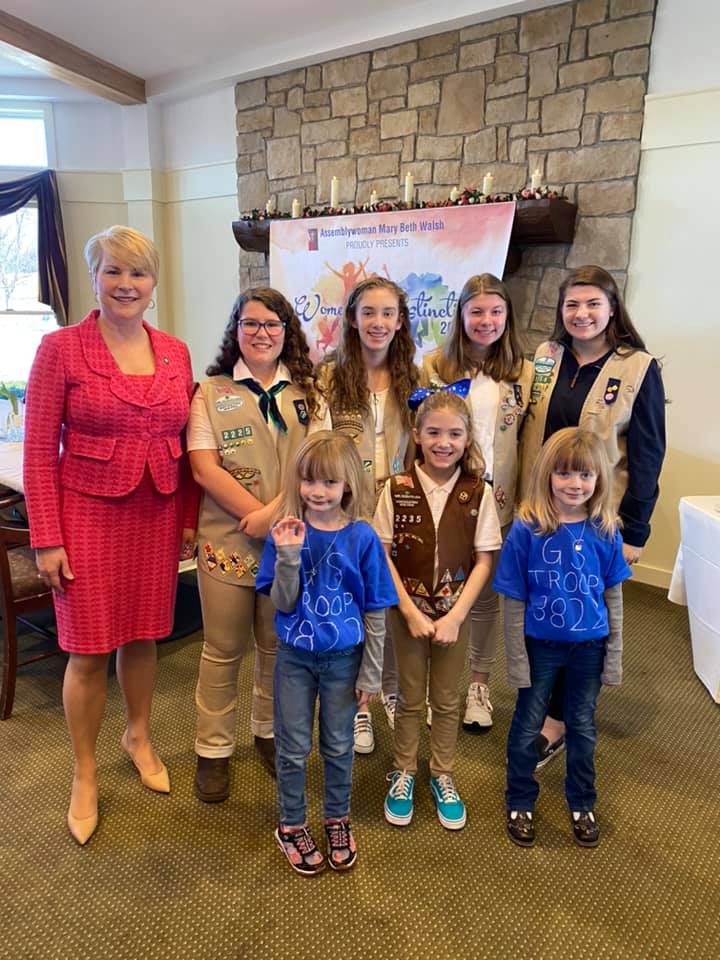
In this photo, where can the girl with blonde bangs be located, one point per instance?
(324, 455)
(561, 571)
(482, 347)
(327, 576)
(365, 384)
(567, 451)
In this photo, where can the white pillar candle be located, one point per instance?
(536, 180)
(270, 206)
(296, 208)
(487, 184)
(334, 192)
(409, 187)
(373, 198)
(454, 194)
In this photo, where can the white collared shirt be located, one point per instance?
(200, 434)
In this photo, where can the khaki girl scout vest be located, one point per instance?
(413, 545)
(606, 411)
(361, 429)
(514, 398)
(248, 452)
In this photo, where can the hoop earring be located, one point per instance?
(151, 305)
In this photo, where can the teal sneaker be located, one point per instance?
(399, 799)
(450, 808)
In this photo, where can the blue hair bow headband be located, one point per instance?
(460, 388)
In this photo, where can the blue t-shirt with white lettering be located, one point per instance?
(561, 578)
(343, 574)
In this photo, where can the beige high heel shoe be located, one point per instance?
(159, 782)
(82, 828)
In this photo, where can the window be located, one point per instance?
(26, 143)
(23, 320)
(26, 135)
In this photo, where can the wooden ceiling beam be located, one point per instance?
(33, 47)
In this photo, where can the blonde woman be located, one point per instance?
(105, 472)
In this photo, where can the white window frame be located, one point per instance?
(32, 108)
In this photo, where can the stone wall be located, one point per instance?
(560, 89)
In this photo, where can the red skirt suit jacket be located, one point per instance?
(105, 476)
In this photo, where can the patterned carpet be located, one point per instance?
(169, 877)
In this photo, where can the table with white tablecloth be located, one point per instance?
(11, 465)
(696, 583)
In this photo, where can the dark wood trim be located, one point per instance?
(536, 221)
(33, 47)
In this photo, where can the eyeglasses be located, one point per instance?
(273, 328)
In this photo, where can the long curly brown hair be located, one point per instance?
(347, 388)
(295, 352)
(504, 358)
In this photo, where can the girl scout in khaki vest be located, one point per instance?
(246, 421)
(595, 373)
(482, 345)
(365, 384)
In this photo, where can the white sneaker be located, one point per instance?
(478, 709)
(364, 738)
(389, 702)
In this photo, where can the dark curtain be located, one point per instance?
(52, 258)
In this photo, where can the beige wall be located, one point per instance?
(671, 296)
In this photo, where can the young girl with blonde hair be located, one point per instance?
(561, 571)
(439, 526)
(483, 345)
(328, 578)
(365, 384)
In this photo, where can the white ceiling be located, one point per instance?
(182, 46)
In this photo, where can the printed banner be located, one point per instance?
(429, 253)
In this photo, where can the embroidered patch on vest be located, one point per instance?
(463, 496)
(611, 391)
(302, 411)
(228, 403)
(405, 481)
(517, 390)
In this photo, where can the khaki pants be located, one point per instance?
(484, 616)
(445, 665)
(230, 613)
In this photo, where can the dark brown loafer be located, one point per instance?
(212, 779)
(586, 831)
(520, 827)
(265, 746)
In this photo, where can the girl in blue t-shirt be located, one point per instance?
(327, 574)
(561, 570)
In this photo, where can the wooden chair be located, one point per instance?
(21, 592)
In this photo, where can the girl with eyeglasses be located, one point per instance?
(246, 422)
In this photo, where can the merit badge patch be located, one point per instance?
(302, 411)
(228, 403)
(611, 391)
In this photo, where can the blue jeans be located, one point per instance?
(301, 678)
(582, 664)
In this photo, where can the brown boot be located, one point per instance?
(212, 779)
(265, 746)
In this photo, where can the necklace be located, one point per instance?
(577, 542)
(315, 566)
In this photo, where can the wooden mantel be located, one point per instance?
(536, 221)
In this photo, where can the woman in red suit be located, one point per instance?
(110, 501)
